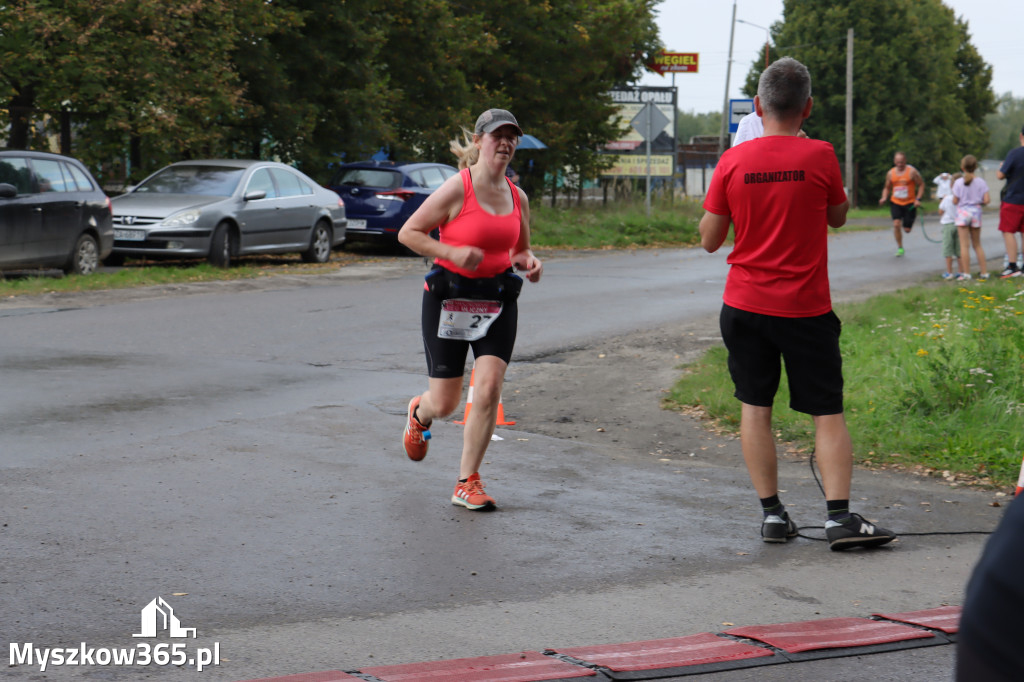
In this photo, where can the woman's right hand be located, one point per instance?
(467, 257)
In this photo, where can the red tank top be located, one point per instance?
(473, 226)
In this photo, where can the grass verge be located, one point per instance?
(933, 383)
(141, 274)
(620, 226)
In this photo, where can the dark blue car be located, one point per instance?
(381, 195)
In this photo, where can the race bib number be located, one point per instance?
(464, 319)
(900, 192)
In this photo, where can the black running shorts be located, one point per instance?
(446, 358)
(809, 346)
(905, 213)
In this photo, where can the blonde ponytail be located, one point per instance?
(464, 150)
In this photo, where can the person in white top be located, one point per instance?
(750, 128)
(944, 185)
(950, 236)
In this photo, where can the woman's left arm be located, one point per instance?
(522, 257)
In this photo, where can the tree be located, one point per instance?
(314, 81)
(134, 73)
(690, 123)
(315, 84)
(428, 75)
(1005, 126)
(349, 78)
(920, 86)
(552, 64)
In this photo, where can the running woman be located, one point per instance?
(469, 299)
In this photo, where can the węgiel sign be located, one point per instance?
(674, 62)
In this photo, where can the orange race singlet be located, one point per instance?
(904, 189)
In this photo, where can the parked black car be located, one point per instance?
(53, 214)
(381, 195)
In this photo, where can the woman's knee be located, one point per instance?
(488, 379)
(445, 395)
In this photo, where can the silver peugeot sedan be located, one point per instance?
(221, 209)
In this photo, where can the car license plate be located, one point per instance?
(357, 224)
(130, 235)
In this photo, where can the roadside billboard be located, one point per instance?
(629, 147)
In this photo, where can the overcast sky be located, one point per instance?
(702, 26)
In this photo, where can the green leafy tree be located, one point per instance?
(552, 64)
(1005, 126)
(349, 78)
(691, 123)
(316, 84)
(427, 75)
(312, 81)
(920, 85)
(154, 76)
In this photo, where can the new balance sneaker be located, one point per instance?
(899, 252)
(777, 528)
(416, 435)
(470, 494)
(1010, 271)
(983, 276)
(948, 275)
(855, 532)
(963, 277)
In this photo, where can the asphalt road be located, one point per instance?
(234, 450)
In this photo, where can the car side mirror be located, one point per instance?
(255, 194)
(8, 191)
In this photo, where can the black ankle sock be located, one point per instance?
(838, 510)
(772, 505)
(416, 416)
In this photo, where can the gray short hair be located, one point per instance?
(784, 87)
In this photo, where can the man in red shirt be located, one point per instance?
(781, 192)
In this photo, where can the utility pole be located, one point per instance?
(849, 118)
(650, 134)
(728, 71)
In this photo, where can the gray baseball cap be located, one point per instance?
(492, 119)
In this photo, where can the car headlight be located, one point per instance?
(188, 217)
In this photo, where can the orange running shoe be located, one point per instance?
(471, 494)
(416, 434)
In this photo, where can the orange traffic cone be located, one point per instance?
(1020, 480)
(469, 404)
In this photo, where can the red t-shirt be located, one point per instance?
(776, 190)
(497, 235)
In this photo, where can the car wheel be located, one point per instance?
(319, 250)
(85, 257)
(220, 246)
